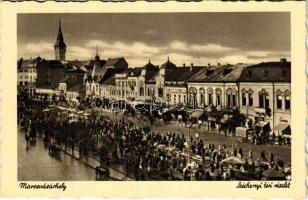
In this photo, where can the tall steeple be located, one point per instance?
(60, 46)
(97, 58)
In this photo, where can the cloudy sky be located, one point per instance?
(198, 38)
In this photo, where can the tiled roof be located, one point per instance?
(267, 72)
(134, 72)
(76, 88)
(149, 65)
(220, 73)
(201, 75)
(109, 81)
(65, 79)
(112, 61)
(150, 75)
(75, 64)
(168, 64)
(54, 63)
(27, 63)
(226, 73)
(181, 73)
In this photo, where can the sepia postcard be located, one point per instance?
(136, 100)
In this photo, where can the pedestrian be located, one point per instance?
(27, 138)
(250, 154)
(240, 152)
(263, 156)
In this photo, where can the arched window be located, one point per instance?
(141, 91)
(231, 97)
(202, 99)
(168, 98)
(210, 96)
(192, 96)
(287, 95)
(263, 99)
(250, 97)
(279, 98)
(244, 97)
(218, 92)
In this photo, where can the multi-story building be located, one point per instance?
(101, 71)
(262, 92)
(27, 74)
(265, 94)
(215, 86)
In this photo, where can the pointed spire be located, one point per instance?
(60, 38)
(168, 59)
(59, 23)
(149, 61)
(97, 58)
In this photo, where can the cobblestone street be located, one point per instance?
(35, 164)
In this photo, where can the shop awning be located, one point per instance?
(283, 127)
(197, 114)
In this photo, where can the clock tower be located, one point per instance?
(60, 46)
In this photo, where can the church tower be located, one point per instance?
(60, 46)
(97, 63)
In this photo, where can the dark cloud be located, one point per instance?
(236, 34)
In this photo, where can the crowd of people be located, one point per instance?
(144, 154)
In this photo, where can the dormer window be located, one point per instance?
(283, 73)
(249, 73)
(265, 73)
(227, 71)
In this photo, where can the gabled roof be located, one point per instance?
(134, 72)
(113, 61)
(150, 75)
(54, 63)
(24, 64)
(109, 81)
(74, 64)
(28, 63)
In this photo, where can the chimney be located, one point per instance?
(209, 64)
(283, 60)
(191, 66)
(184, 65)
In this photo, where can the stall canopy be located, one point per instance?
(284, 128)
(224, 119)
(263, 124)
(233, 160)
(197, 114)
(241, 131)
(213, 119)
